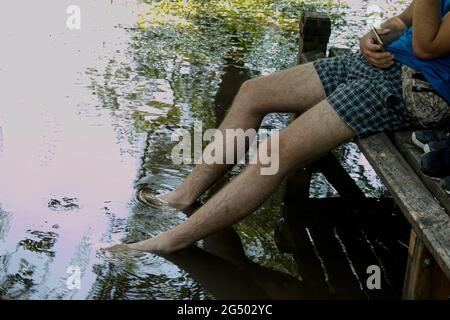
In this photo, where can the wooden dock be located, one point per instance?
(396, 161)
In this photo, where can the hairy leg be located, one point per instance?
(313, 133)
(293, 90)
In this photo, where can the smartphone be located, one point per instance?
(376, 37)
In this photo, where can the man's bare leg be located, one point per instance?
(313, 133)
(293, 90)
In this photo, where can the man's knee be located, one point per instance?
(249, 97)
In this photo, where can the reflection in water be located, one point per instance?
(86, 114)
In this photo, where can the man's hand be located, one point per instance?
(372, 51)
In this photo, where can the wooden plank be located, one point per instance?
(314, 33)
(336, 175)
(412, 155)
(426, 216)
(298, 184)
(333, 245)
(417, 285)
(440, 285)
(423, 279)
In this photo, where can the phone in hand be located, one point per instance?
(376, 37)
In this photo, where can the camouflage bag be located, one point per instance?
(425, 107)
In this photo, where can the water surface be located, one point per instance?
(85, 114)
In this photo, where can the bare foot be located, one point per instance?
(149, 245)
(175, 200)
(118, 248)
(146, 246)
(157, 245)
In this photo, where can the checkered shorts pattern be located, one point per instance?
(369, 100)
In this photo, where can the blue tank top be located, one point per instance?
(436, 71)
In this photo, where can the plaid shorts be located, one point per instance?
(367, 99)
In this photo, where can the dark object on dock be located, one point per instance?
(421, 200)
(315, 31)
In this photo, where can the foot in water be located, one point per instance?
(147, 197)
(158, 245)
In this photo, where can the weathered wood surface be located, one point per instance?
(423, 279)
(314, 33)
(412, 154)
(334, 240)
(426, 216)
